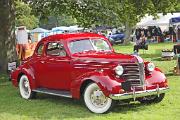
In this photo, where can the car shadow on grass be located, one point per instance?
(134, 106)
(80, 110)
(53, 107)
(169, 74)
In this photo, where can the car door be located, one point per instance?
(38, 64)
(58, 67)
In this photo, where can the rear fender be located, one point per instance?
(30, 74)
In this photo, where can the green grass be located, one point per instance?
(13, 107)
(3, 78)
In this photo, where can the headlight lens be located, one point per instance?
(150, 67)
(119, 70)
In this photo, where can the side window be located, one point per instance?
(40, 49)
(55, 49)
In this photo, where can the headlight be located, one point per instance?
(119, 70)
(150, 67)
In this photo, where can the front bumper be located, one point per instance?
(138, 94)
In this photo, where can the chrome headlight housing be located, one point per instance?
(150, 67)
(119, 70)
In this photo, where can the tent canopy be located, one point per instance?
(64, 28)
(39, 30)
(163, 20)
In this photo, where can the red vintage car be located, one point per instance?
(84, 65)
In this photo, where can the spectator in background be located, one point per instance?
(141, 43)
(149, 37)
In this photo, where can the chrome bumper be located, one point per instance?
(138, 94)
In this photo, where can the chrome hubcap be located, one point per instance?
(98, 99)
(26, 87)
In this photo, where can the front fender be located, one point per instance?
(156, 78)
(105, 83)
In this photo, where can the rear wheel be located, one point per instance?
(95, 100)
(152, 99)
(25, 89)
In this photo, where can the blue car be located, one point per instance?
(117, 38)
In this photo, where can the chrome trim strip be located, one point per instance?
(50, 93)
(104, 62)
(131, 74)
(133, 80)
(80, 64)
(126, 63)
(137, 94)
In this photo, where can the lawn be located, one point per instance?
(13, 107)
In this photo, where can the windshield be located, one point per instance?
(88, 45)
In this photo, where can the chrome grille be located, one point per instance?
(134, 73)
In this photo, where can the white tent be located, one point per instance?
(39, 33)
(75, 28)
(62, 29)
(162, 21)
(70, 28)
(39, 30)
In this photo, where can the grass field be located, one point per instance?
(13, 107)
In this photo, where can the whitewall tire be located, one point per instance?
(24, 88)
(95, 100)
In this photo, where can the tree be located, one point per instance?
(7, 36)
(24, 17)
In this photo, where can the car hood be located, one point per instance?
(107, 57)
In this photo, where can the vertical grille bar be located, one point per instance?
(142, 73)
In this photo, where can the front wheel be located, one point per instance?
(152, 99)
(95, 100)
(25, 89)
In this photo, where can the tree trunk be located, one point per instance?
(7, 34)
(128, 33)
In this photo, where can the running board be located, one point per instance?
(54, 92)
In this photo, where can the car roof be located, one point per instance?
(71, 36)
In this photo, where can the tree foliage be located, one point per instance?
(55, 21)
(24, 16)
(88, 12)
(177, 7)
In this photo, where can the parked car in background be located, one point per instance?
(84, 65)
(116, 38)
